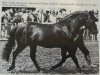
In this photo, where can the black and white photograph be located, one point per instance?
(49, 38)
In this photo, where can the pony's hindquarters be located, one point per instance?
(9, 45)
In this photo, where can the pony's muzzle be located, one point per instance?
(95, 32)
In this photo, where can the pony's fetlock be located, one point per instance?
(11, 68)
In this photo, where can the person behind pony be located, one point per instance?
(34, 14)
(61, 14)
(47, 16)
(40, 16)
(53, 16)
(17, 17)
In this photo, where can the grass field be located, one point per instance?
(47, 57)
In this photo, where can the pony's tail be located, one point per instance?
(9, 45)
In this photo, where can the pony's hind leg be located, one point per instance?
(15, 53)
(33, 55)
(64, 57)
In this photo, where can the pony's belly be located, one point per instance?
(54, 43)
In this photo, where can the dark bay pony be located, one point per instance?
(60, 34)
(79, 41)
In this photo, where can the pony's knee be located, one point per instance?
(87, 52)
(84, 50)
(32, 56)
(15, 53)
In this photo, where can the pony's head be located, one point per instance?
(90, 24)
(78, 19)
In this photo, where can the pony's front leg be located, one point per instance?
(15, 53)
(84, 50)
(72, 52)
(76, 63)
(33, 55)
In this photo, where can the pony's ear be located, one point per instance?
(92, 16)
(91, 12)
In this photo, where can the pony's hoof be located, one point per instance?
(10, 68)
(41, 71)
(79, 70)
(92, 66)
(38, 70)
(7, 60)
(51, 69)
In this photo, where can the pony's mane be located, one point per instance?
(73, 14)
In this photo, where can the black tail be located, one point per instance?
(9, 45)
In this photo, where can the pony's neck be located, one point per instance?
(76, 28)
(75, 21)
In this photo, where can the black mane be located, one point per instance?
(74, 15)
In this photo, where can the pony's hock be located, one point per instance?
(60, 34)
